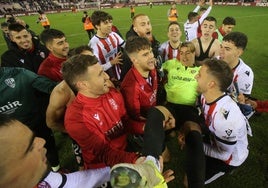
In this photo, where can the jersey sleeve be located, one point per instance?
(85, 178)
(206, 13)
(120, 40)
(245, 82)
(220, 148)
(8, 59)
(196, 8)
(97, 143)
(132, 102)
(40, 83)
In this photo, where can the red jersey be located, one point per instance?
(98, 126)
(139, 94)
(51, 67)
(217, 33)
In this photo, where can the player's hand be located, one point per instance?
(170, 123)
(140, 160)
(210, 2)
(241, 98)
(201, 2)
(168, 175)
(117, 59)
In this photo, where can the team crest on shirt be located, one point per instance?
(113, 103)
(247, 73)
(10, 82)
(225, 113)
(96, 116)
(228, 132)
(42, 54)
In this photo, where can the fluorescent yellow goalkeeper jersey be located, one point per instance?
(181, 85)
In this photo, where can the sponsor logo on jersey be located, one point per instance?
(153, 97)
(186, 79)
(247, 73)
(113, 103)
(117, 130)
(10, 82)
(10, 107)
(225, 113)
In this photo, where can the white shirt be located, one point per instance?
(86, 178)
(228, 128)
(242, 80)
(190, 29)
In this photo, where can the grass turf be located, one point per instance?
(253, 21)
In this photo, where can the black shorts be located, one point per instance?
(183, 113)
(216, 168)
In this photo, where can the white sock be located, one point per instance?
(155, 161)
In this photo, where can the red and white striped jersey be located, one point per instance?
(106, 49)
(167, 52)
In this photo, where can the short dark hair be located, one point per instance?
(79, 50)
(99, 16)
(239, 39)
(136, 43)
(48, 35)
(4, 24)
(40, 12)
(192, 15)
(16, 27)
(76, 67)
(221, 71)
(202, 9)
(229, 21)
(211, 19)
(174, 23)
